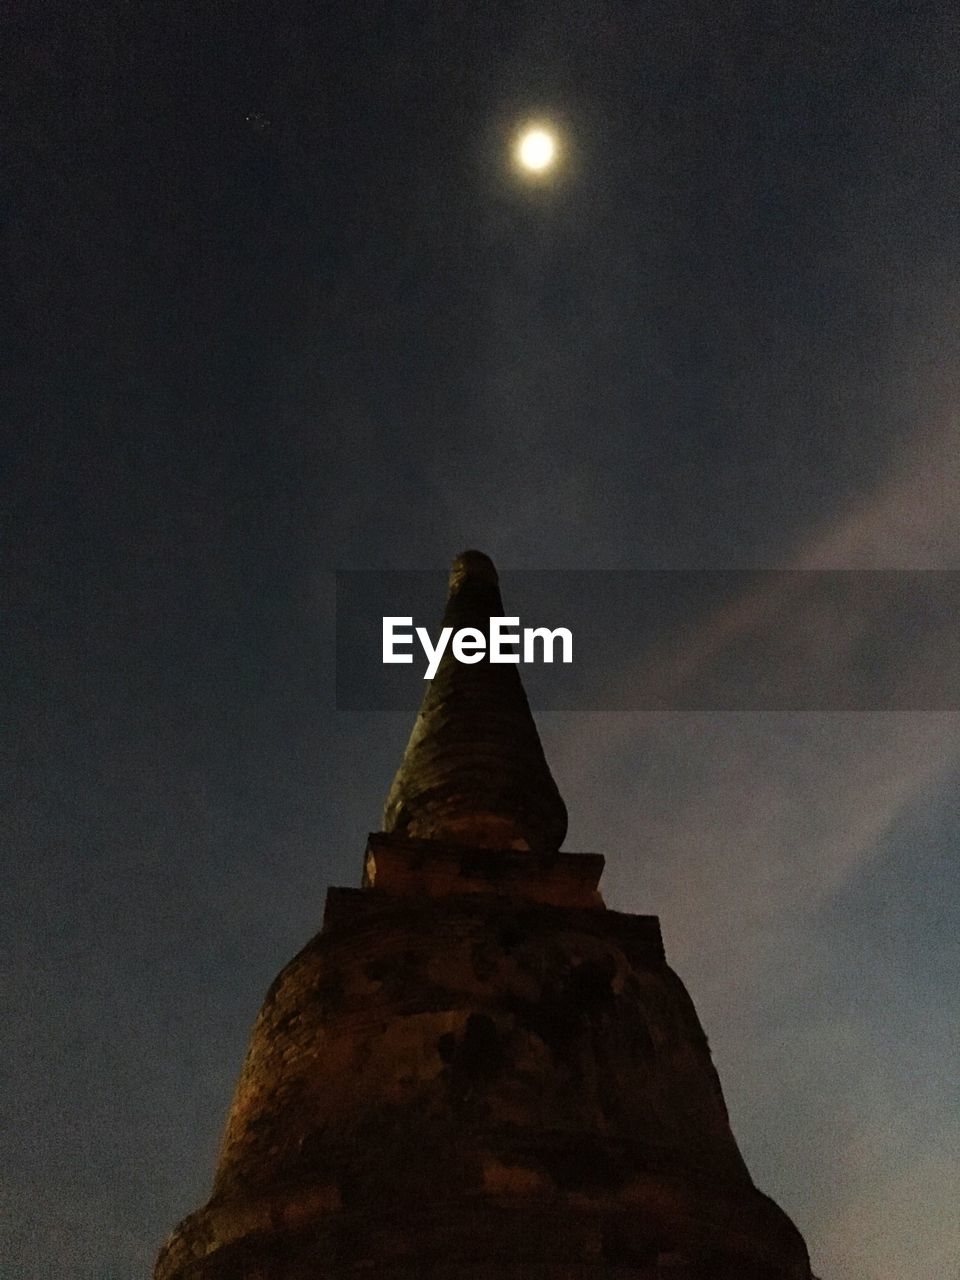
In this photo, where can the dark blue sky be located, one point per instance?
(279, 306)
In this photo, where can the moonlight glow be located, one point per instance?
(536, 150)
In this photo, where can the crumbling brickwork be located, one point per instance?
(475, 1071)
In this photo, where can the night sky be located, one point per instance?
(277, 305)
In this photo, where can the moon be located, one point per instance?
(536, 149)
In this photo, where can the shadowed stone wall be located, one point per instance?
(480, 1085)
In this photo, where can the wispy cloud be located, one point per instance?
(740, 830)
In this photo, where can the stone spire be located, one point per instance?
(475, 1070)
(474, 771)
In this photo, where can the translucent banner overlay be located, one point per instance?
(778, 640)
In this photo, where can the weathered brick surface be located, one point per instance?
(430, 868)
(481, 1087)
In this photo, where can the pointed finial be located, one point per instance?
(474, 772)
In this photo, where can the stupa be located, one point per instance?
(476, 1070)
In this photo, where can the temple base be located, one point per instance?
(476, 1086)
(664, 1231)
